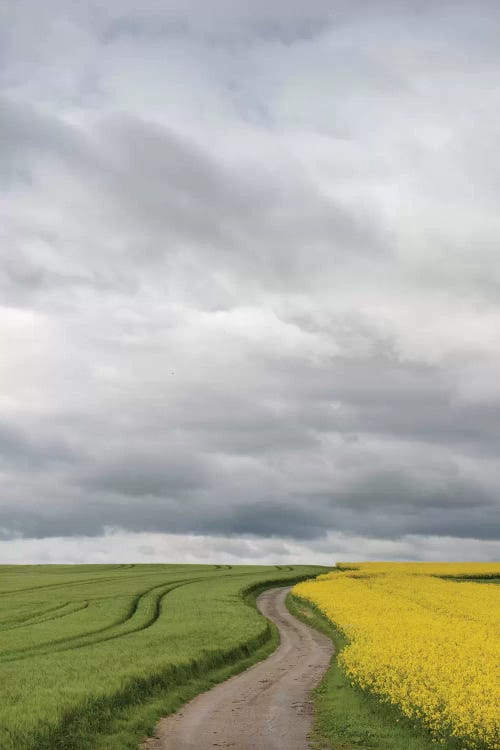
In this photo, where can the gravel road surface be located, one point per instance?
(265, 708)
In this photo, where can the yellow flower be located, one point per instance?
(427, 644)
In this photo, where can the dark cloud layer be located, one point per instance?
(249, 277)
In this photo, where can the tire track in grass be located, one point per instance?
(128, 626)
(84, 639)
(40, 613)
(19, 619)
(60, 584)
(85, 581)
(96, 637)
(56, 613)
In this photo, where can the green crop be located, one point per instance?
(81, 646)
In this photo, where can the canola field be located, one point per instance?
(80, 645)
(424, 637)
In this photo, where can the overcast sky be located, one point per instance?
(249, 280)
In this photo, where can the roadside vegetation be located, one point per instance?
(345, 717)
(417, 655)
(92, 656)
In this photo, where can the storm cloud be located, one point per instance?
(249, 280)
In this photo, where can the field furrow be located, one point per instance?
(142, 612)
(55, 613)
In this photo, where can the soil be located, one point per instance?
(265, 708)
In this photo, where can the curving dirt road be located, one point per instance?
(265, 708)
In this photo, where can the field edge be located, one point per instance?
(346, 717)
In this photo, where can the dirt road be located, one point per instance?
(265, 708)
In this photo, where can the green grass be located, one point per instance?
(92, 656)
(347, 718)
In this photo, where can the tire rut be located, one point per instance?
(150, 600)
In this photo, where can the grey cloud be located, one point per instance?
(378, 510)
(28, 452)
(164, 201)
(248, 273)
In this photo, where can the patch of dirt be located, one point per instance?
(305, 613)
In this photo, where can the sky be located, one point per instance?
(249, 280)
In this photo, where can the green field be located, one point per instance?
(92, 655)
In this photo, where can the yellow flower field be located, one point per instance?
(429, 645)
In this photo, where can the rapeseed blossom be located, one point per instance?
(428, 645)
